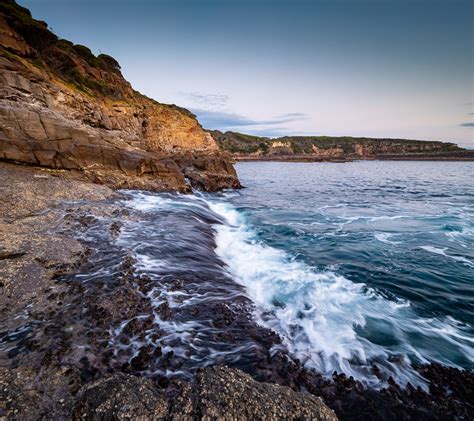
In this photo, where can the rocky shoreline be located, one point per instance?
(79, 337)
(56, 359)
(41, 375)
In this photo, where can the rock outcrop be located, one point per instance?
(218, 393)
(62, 107)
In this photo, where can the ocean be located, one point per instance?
(363, 268)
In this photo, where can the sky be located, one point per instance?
(377, 68)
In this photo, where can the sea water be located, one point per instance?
(351, 264)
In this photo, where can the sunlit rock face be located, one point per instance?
(63, 107)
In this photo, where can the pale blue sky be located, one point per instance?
(382, 68)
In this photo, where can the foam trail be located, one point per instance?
(323, 316)
(327, 321)
(384, 237)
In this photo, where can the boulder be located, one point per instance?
(224, 393)
(120, 397)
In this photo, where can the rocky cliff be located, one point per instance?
(243, 146)
(63, 107)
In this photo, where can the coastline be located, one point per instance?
(302, 158)
(134, 283)
(54, 362)
(49, 313)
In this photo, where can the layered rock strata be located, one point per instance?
(62, 107)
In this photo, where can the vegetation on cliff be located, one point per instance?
(73, 63)
(242, 145)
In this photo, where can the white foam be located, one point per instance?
(324, 319)
(321, 315)
(384, 237)
(147, 202)
(442, 252)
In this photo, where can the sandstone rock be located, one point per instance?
(62, 107)
(329, 152)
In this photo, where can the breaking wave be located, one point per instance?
(327, 321)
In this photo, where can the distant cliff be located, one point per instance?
(313, 148)
(63, 107)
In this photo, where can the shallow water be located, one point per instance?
(336, 265)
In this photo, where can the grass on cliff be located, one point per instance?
(102, 61)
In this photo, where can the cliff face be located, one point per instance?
(63, 107)
(335, 148)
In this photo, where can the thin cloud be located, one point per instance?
(271, 132)
(276, 132)
(467, 125)
(207, 101)
(296, 116)
(228, 121)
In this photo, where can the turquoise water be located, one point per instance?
(359, 261)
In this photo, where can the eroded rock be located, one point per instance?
(225, 393)
(61, 107)
(120, 397)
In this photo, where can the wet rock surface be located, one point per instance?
(217, 393)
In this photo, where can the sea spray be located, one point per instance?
(325, 318)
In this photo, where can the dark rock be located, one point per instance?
(140, 361)
(218, 393)
(114, 229)
(120, 397)
(165, 311)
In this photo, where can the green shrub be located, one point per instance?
(65, 45)
(85, 53)
(264, 147)
(108, 63)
